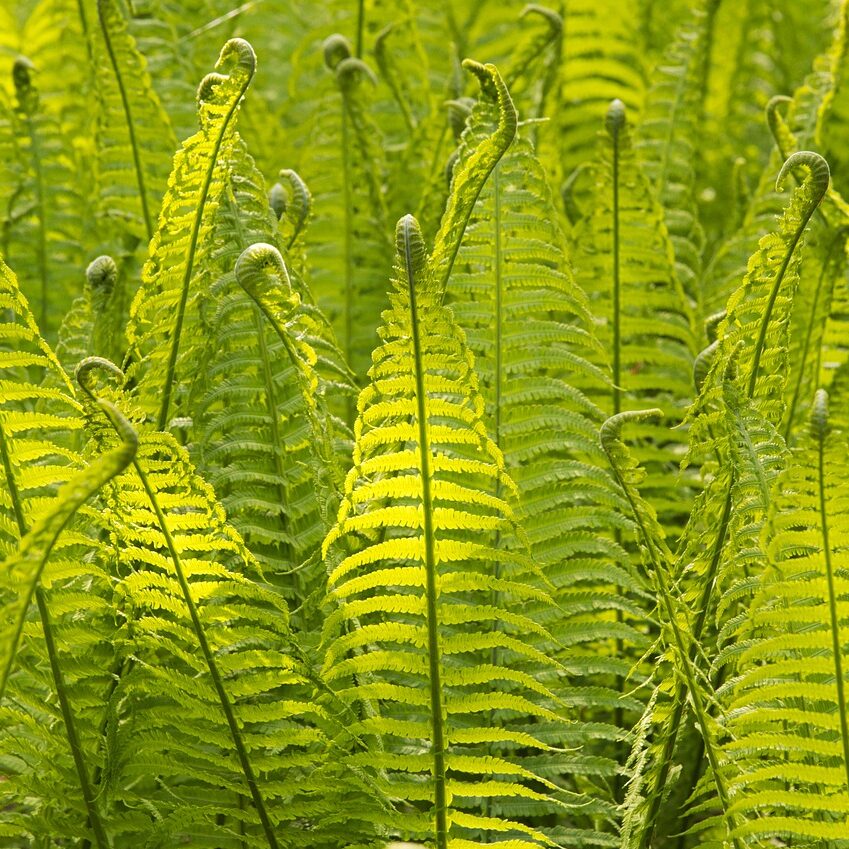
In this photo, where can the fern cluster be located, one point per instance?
(523, 521)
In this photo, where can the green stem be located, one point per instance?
(349, 258)
(190, 261)
(41, 252)
(128, 115)
(434, 659)
(212, 666)
(832, 603)
(773, 295)
(361, 21)
(839, 238)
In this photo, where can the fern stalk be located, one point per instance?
(819, 423)
(128, 115)
(200, 635)
(168, 385)
(436, 708)
(89, 797)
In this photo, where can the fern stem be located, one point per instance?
(128, 115)
(212, 666)
(70, 725)
(190, 257)
(361, 21)
(14, 493)
(42, 224)
(818, 182)
(820, 424)
(349, 256)
(434, 659)
(837, 242)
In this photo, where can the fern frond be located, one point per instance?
(529, 327)
(135, 140)
(43, 211)
(346, 242)
(786, 704)
(644, 322)
(210, 644)
(169, 293)
(668, 141)
(424, 628)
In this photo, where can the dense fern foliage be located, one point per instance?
(424, 424)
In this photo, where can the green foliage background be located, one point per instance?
(522, 521)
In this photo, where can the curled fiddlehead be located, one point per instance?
(336, 48)
(102, 273)
(784, 140)
(236, 61)
(261, 272)
(816, 183)
(295, 203)
(552, 18)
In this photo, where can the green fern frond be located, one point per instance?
(529, 327)
(210, 643)
(644, 322)
(165, 306)
(601, 61)
(135, 140)
(271, 364)
(43, 209)
(424, 628)
(346, 243)
(785, 704)
(668, 142)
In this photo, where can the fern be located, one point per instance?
(167, 295)
(786, 703)
(512, 290)
(411, 562)
(145, 139)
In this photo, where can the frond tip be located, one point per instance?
(261, 272)
(818, 179)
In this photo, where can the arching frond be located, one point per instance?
(165, 306)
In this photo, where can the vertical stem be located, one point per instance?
(434, 659)
(832, 603)
(128, 115)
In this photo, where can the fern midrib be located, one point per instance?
(434, 659)
(209, 658)
(349, 255)
(809, 330)
(271, 405)
(832, 603)
(190, 259)
(773, 295)
(35, 150)
(128, 115)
